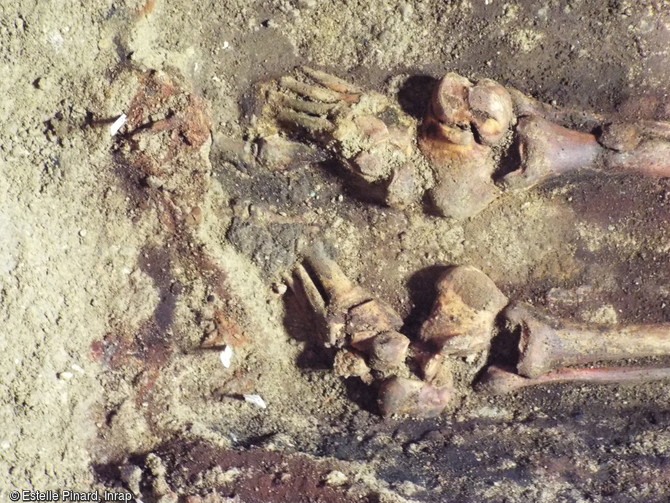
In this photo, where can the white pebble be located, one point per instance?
(256, 400)
(226, 356)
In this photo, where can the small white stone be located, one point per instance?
(77, 368)
(226, 356)
(335, 478)
(65, 376)
(256, 400)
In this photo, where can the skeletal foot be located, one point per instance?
(370, 135)
(364, 331)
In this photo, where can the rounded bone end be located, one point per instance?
(399, 395)
(498, 381)
(537, 341)
(450, 100)
(463, 315)
(493, 110)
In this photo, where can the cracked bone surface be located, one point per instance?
(498, 381)
(546, 344)
(462, 318)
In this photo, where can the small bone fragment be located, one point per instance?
(547, 149)
(399, 395)
(255, 400)
(226, 355)
(117, 124)
(498, 381)
(462, 319)
(388, 350)
(548, 344)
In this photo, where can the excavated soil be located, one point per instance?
(126, 261)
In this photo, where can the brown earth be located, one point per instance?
(120, 255)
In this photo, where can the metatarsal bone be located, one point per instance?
(332, 82)
(309, 122)
(544, 347)
(498, 381)
(313, 92)
(342, 294)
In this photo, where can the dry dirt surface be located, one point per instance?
(128, 261)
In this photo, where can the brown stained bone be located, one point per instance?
(547, 150)
(463, 121)
(354, 318)
(399, 395)
(650, 157)
(462, 318)
(388, 350)
(492, 110)
(498, 381)
(546, 344)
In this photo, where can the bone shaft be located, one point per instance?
(557, 148)
(500, 381)
(635, 341)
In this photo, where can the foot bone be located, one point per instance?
(462, 318)
(371, 136)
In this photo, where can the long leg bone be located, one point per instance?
(547, 345)
(548, 150)
(498, 381)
